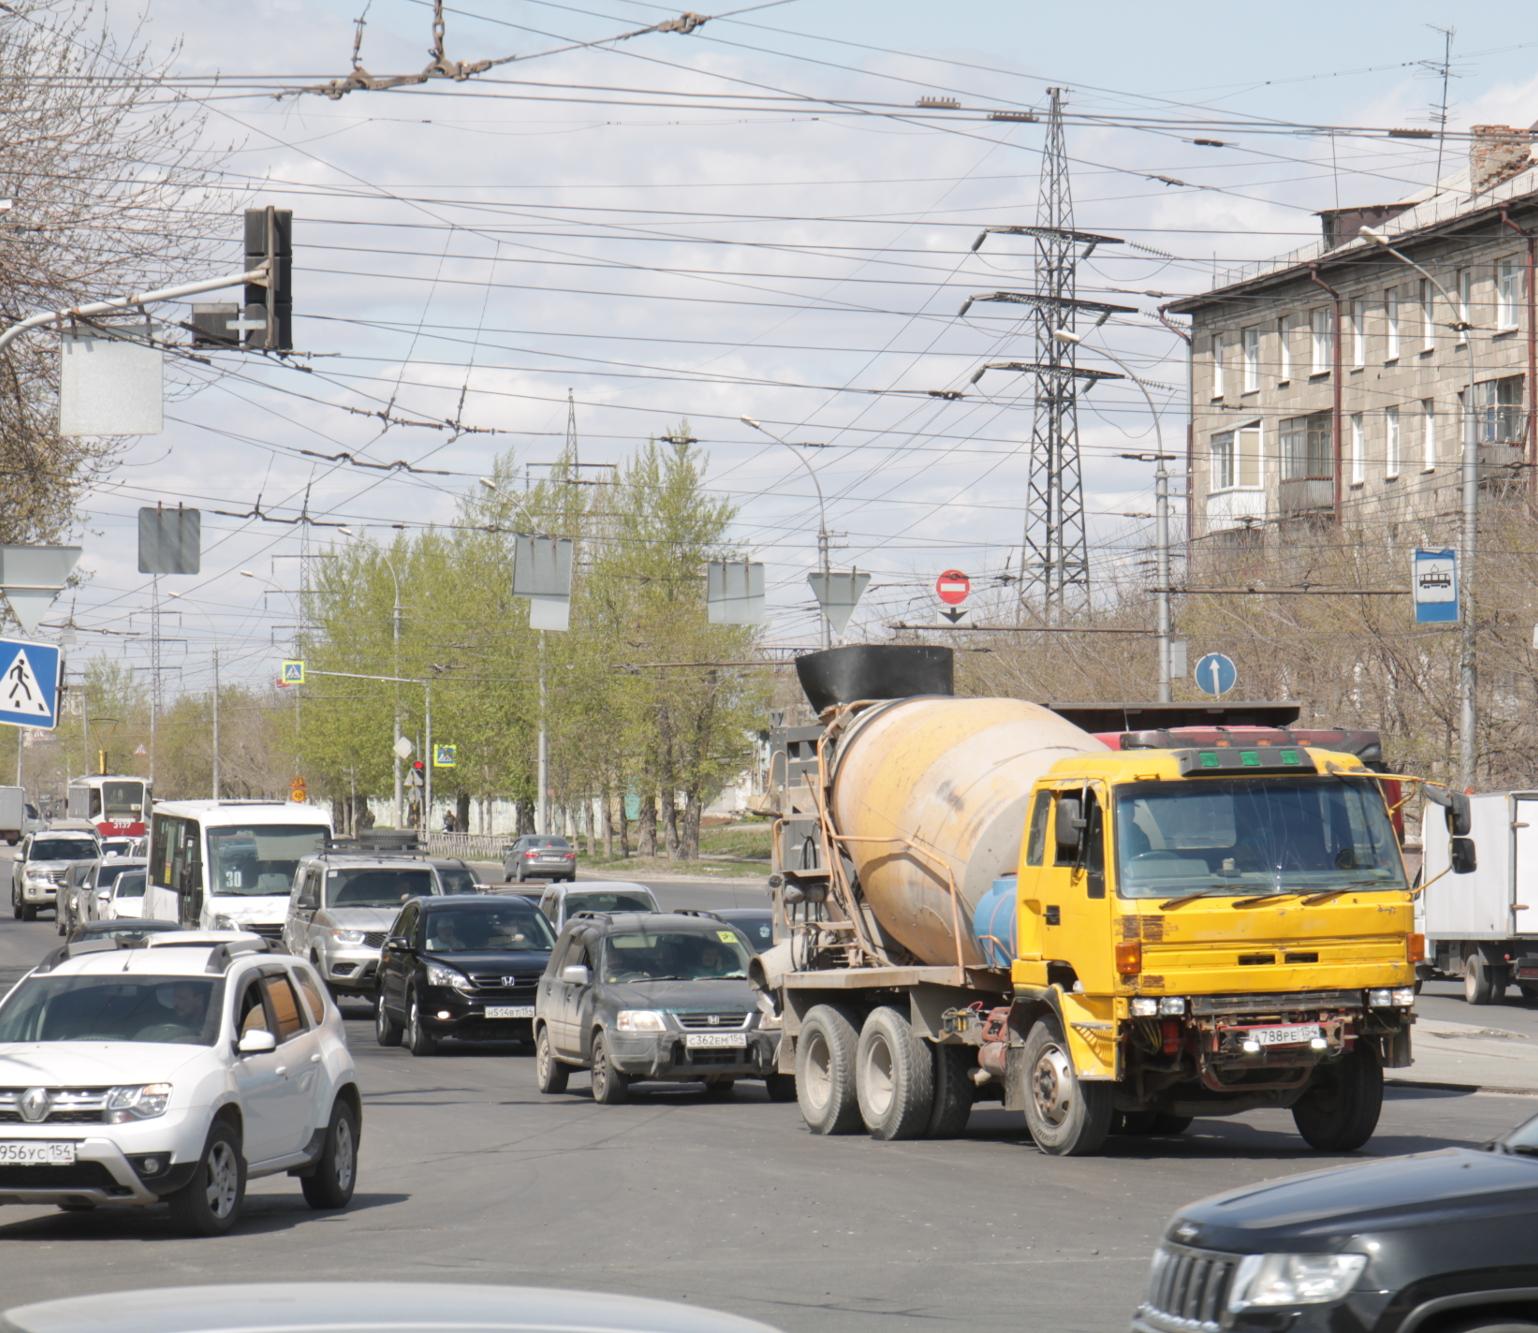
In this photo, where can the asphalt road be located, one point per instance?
(468, 1173)
(1444, 1000)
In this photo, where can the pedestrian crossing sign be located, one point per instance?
(445, 756)
(292, 673)
(29, 687)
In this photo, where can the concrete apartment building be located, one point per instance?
(1327, 385)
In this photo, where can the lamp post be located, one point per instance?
(1467, 714)
(1161, 512)
(822, 513)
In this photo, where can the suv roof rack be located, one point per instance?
(224, 952)
(697, 911)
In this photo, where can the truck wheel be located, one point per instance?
(1066, 1116)
(953, 1091)
(1480, 980)
(825, 1055)
(894, 1077)
(1340, 1110)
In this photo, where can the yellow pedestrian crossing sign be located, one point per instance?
(292, 673)
(445, 756)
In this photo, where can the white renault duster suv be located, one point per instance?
(171, 1071)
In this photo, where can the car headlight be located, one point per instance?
(137, 1102)
(1294, 1279)
(222, 922)
(342, 936)
(640, 1020)
(438, 975)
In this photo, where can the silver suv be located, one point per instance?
(341, 908)
(42, 867)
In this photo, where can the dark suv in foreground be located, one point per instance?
(1432, 1243)
(642, 995)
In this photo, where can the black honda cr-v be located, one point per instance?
(1436, 1242)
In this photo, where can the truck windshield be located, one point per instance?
(1253, 836)
(122, 800)
(254, 862)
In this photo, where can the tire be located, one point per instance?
(720, 1085)
(1529, 990)
(825, 1055)
(419, 1041)
(28, 912)
(1066, 1116)
(210, 1203)
(894, 1077)
(15, 902)
(610, 1087)
(1340, 1109)
(954, 1091)
(549, 1073)
(387, 1031)
(1499, 1326)
(1479, 980)
(336, 1174)
(780, 1087)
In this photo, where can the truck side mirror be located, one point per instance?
(1069, 827)
(1460, 852)
(1460, 821)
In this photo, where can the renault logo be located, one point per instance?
(34, 1105)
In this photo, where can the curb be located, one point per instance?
(1446, 1085)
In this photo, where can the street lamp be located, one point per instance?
(215, 779)
(1162, 510)
(1470, 477)
(822, 512)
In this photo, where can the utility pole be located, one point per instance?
(216, 725)
(542, 793)
(154, 669)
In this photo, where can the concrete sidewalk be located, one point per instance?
(1469, 1057)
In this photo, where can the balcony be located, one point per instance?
(1302, 496)
(1502, 445)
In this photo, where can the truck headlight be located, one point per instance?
(1172, 1006)
(438, 975)
(640, 1020)
(1145, 1008)
(1400, 997)
(1404, 997)
(137, 1102)
(1294, 1279)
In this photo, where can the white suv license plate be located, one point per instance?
(509, 1011)
(1293, 1034)
(29, 1153)
(716, 1041)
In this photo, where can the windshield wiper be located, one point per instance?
(1255, 900)
(1316, 898)
(1170, 903)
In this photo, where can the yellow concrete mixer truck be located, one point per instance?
(978, 898)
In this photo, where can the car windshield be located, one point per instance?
(456, 879)
(109, 872)
(179, 1010)
(608, 902)
(64, 849)
(122, 799)
(377, 886)
(1254, 836)
(685, 955)
(130, 884)
(259, 861)
(492, 927)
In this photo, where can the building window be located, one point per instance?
(1391, 442)
(1358, 451)
(1498, 415)
(1465, 301)
(1217, 365)
(1283, 352)
(1508, 293)
(1391, 316)
(1223, 461)
(1306, 453)
(1428, 433)
(1359, 332)
(1251, 360)
(1247, 456)
(1322, 327)
(1428, 318)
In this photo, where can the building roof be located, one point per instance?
(1451, 203)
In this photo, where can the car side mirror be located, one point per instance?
(256, 1042)
(1069, 826)
(577, 974)
(1461, 854)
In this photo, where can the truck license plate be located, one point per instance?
(715, 1041)
(36, 1154)
(509, 1011)
(1293, 1034)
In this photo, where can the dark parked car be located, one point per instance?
(465, 966)
(1423, 1244)
(540, 857)
(635, 996)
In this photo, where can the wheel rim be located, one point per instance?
(817, 1082)
(379, 1018)
(1052, 1086)
(223, 1179)
(542, 1056)
(345, 1154)
(877, 1078)
(416, 1023)
(600, 1068)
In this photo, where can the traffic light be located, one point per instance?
(270, 239)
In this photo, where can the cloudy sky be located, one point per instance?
(756, 218)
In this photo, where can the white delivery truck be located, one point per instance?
(13, 814)
(1484, 927)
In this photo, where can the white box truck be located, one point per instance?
(1483, 927)
(13, 814)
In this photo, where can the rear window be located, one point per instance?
(608, 902)
(456, 879)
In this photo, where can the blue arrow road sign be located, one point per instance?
(1216, 674)
(29, 685)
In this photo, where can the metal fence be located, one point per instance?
(468, 846)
